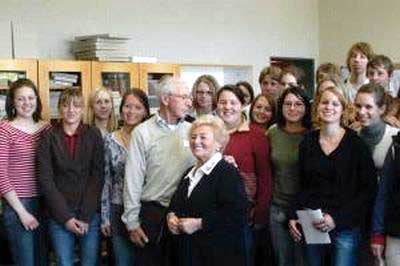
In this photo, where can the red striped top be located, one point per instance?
(18, 169)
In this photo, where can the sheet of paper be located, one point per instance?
(311, 234)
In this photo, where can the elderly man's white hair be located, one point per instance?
(166, 85)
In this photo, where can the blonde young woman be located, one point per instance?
(337, 175)
(101, 111)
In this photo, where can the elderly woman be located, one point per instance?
(208, 210)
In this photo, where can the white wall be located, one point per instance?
(344, 22)
(183, 31)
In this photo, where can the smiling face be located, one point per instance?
(262, 111)
(358, 62)
(25, 102)
(102, 106)
(229, 108)
(368, 112)
(203, 143)
(133, 111)
(293, 109)
(329, 109)
(378, 75)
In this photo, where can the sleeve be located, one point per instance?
(388, 174)
(298, 200)
(106, 194)
(366, 183)
(5, 147)
(135, 171)
(230, 211)
(263, 174)
(91, 200)
(54, 199)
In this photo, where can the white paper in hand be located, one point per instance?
(311, 234)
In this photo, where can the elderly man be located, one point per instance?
(158, 155)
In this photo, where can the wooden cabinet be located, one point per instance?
(11, 70)
(56, 75)
(150, 74)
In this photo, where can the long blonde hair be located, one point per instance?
(112, 123)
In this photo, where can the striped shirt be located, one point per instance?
(18, 169)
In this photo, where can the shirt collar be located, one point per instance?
(207, 167)
(162, 122)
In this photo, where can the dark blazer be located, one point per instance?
(220, 200)
(71, 186)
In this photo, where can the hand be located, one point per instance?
(76, 226)
(106, 230)
(190, 225)
(231, 160)
(355, 125)
(28, 221)
(138, 237)
(294, 230)
(377, 250)
(326, 224)
(173, 223)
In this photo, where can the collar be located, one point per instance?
(206, 168)
(162, 122)
(77, 132)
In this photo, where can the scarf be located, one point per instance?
(373, 134)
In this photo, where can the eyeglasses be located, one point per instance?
(295, 104)
(182, 96)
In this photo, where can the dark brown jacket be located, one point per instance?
(71, 186)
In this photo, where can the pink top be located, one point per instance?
(18, 169)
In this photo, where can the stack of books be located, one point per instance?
(101, 47)
(61, 80)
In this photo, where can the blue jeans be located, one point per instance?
(28, 248)
(249, 245)
(124, 251)
(64, 243)
(343, 250)
(287, 252)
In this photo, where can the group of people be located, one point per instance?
(215, 176)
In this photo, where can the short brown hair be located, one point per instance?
(362, 47)
(69, 95)
(381, 60)
(273, 71)
(330, 70)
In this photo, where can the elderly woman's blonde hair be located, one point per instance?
(112, 123)
(221, 135)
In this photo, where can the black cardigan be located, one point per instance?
(342, 184)
(220, 200)
(71, 186)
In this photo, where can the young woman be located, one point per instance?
(262, 111)
(269, 81)
(327, 71)
(248, 93)
(71, 167)
(337, 175)
(250, 148)
(293, 121)
(291, 77)
(204, 89)
(357, 60)
(208, 211)
(101, 111)
(19, 137)
(134, 109)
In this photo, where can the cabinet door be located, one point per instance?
(57, 75)
(150, 74)
(10, 71)
(117, 77)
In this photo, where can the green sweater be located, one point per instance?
(285, 166)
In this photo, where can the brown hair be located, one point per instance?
(273, 71)
(362, 47)
(69, 95)
(381, 60)
(330, 70)
(211, 82)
